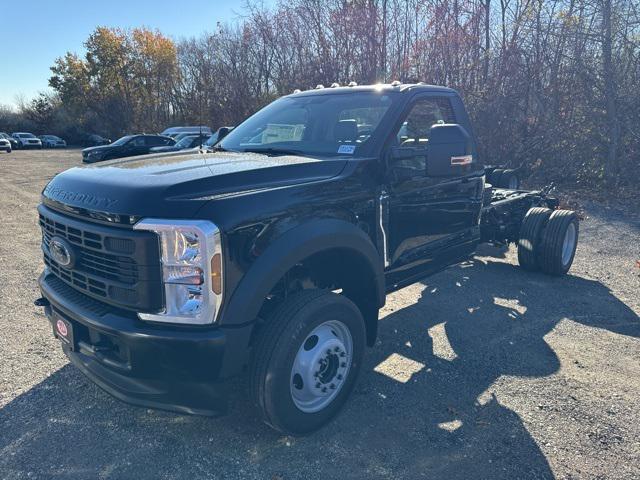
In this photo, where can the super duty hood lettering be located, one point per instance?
(67, 196)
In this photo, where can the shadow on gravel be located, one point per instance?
(421, 408)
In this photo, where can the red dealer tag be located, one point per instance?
(62, 328)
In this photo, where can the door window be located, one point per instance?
(414, 131)
(155, 141)
(137, 142)
(423, 115)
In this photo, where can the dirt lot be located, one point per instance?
(483, 371)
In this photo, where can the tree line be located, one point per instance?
(552, 85)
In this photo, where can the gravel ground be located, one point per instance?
(482, 371)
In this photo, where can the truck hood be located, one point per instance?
(176, 185)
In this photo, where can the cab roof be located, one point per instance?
(385, 87)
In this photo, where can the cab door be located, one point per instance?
(432, 213)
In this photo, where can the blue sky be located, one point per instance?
(33, 33)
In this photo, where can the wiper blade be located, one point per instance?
(274, 151)
(217, 148)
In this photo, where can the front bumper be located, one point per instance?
(158, 366)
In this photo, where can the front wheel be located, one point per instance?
(306, 360)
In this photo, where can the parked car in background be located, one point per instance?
(180, 136)
(175, 131)
(216, 137)
(51, 141)
(5, 145)
(190, 141)
(128, 146)
(27, 140)
(12, 141)
(94, 140)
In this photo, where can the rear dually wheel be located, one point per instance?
(559, 243)
(530, 237)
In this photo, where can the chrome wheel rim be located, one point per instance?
(321, 366)
(568, 244)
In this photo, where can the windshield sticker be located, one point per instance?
(349, 149)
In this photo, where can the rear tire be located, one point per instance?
(559, 242)
(306, 360)
(530, 237)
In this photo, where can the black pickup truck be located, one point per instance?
(270, 257)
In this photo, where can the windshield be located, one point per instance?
(123, 140)
(314, 125)
(26, 135)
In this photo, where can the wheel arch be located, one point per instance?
(311, 241)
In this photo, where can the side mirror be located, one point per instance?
(223, 132)
(450, 150)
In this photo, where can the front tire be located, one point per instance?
(306, 360)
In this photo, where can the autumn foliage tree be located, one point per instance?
(124, 82)
(551, 85)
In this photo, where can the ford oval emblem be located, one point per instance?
(62, 252)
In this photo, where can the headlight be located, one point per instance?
(191, 256)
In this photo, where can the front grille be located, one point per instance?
(116, 265)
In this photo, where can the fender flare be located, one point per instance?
(289, 249)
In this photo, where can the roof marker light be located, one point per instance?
(297, 90)
(353, 84)
(395, 83)
(319, 86)
(335, 85)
